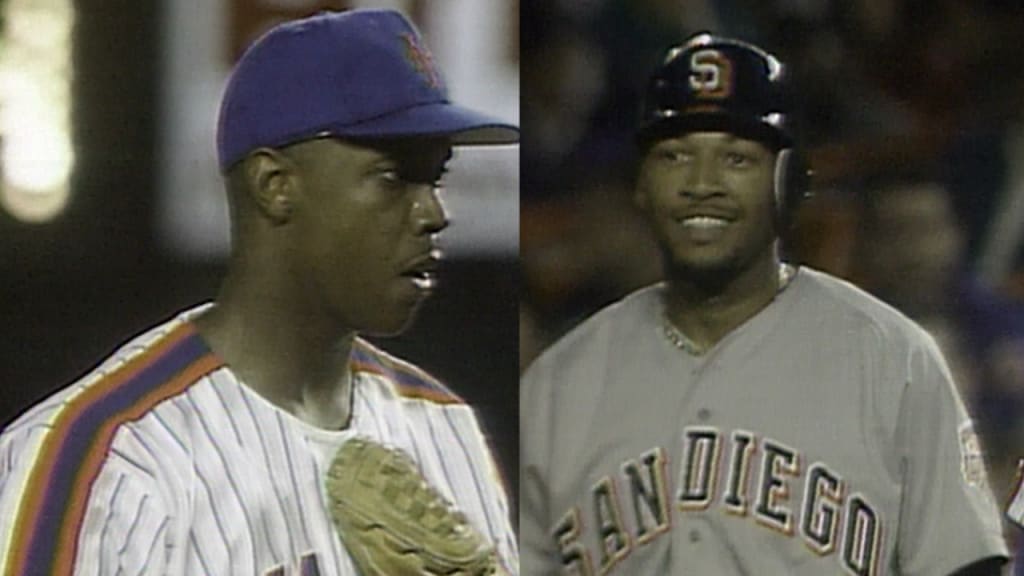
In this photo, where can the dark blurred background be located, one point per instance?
(910, 112)
(77, 281)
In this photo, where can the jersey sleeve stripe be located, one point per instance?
(78, 440)
(410, 381)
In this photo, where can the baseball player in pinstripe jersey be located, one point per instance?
(202, 446)
(744, 417)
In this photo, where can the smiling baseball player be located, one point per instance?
(744, 417)
(260, 435)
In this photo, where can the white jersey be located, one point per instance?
(1015, 506)
(160, 462)
(822, 436)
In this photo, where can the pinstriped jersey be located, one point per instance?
(822, 436)
(162, 462)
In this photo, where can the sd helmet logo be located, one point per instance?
(710, 74)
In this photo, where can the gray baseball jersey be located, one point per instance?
(823, 436)
(161, 462)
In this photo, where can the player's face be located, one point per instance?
(365, 238)
(709, 198)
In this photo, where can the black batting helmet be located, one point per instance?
(716, 83)
(711, 83)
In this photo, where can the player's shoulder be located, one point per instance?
(590, 339)
(408, 381)
(159, 364)
(827, 296)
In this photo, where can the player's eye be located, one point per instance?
(389, 178)
(673, 155)
(737, 159)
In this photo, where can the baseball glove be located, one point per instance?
(393, 523)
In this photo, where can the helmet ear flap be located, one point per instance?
(791, 185)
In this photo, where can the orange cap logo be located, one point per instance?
(420, 59)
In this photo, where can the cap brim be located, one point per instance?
(461, 126)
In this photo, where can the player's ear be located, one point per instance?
(272, 182)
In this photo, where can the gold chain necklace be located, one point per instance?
(680, 341)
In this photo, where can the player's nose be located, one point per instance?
(704, 177)
(428, 214)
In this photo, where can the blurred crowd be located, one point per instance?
(911, 114)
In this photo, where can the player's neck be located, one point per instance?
(706, 311)
(295, 362)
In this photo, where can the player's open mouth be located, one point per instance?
(423, 270)
(423, 280)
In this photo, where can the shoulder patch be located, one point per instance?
(972, 464)
(410, 381)
(80, 432)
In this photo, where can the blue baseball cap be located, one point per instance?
(359, 74)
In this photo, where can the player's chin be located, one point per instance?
(386, 331)
(394, 317)
(387, 327)
(698, 258)
(702, 267)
